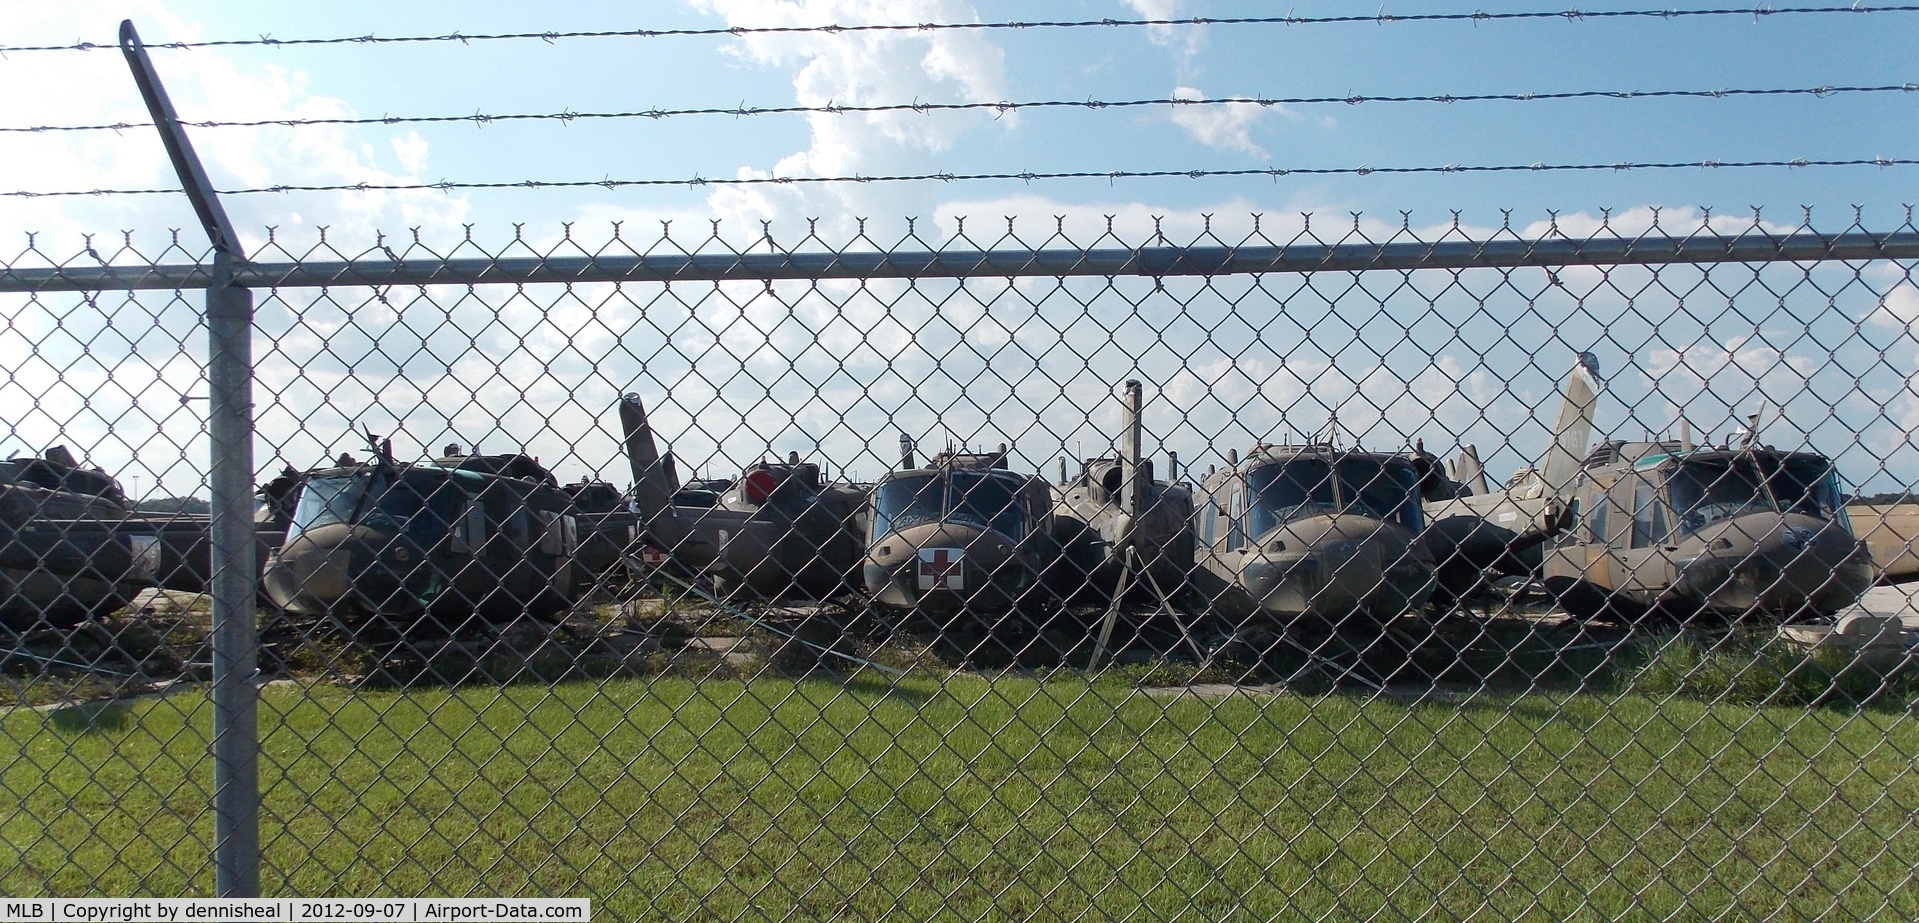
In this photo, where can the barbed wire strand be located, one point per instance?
(1029, 177)
(480, 118)
(1571, 14)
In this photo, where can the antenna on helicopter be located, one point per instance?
(1750, 436)
(382, 449)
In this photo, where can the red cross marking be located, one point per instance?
(940, 569)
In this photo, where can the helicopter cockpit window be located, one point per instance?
(1802, 485)
(1381, 489)
(1293, 489)
(986, 500)
(324, 501)
(1706, 491)
(1302, 487)
(974, 498)
(907, 501)
(426, 507)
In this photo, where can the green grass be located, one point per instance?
(1756, 667)
(1017, 798)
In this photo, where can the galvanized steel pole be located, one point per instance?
(236, 737)
(236, 790)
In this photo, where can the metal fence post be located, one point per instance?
(236, 744)
(236, 789)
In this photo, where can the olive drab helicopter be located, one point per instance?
(1313, 532)
(72, 545)
(64, 553)
(424, 546)
(776, 532)
(1678, 531)
(1478, 535)
(964, 543)
(606, 522)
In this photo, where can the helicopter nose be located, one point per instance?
(951, 573)
(310, 573)
(1789, 569)
(324, 569)
(1376, 574)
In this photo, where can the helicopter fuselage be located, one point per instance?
(409, 542)
(1725, 533)
(1313, 532)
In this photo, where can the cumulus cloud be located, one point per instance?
(1899, 306)
(1186, 40)
(1227, 127)
(95, 88)
(863, 69)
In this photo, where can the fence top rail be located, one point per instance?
(1151, 262)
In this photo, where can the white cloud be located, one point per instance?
(863, 69)
(1899, 306)
(1227, 126)
(71, 88)
(1186, 40)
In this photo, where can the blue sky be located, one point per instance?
(1492, 380)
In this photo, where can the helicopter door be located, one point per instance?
(1584, 550)
(469, 533)
(558, 537)
(1646, 556)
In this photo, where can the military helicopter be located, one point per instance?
(776, 532)
(73, 545)
(421, 545)
(606, 522)
(964, 543)
(1681, 532)
(1313, 531)
(65, 551)
(1477, 534)
(1128, 537)
(1129, 524)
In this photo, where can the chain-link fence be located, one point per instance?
(1282, 570)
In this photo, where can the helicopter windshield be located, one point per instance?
(425, 507)
(324, 501)
(1307, 486)
(1709, 490)
(985, 500)
(975, 498)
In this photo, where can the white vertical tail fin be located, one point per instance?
(1572, 433)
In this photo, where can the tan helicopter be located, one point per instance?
(1637, 529)
(1313, 531)
(1127, 537)
(1680, 531)
(777, 532)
